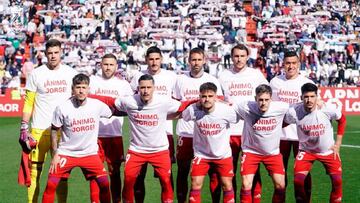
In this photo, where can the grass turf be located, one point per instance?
(10, 191)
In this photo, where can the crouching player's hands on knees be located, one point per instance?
(54, 162)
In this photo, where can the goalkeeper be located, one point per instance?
(47, 86)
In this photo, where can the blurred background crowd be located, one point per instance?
(324, 33)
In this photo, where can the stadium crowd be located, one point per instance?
(324, 33)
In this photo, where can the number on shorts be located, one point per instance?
(243, 158)
(127, 158)
(62, 162)
(196, 160)
(300, 156)
(180, 141)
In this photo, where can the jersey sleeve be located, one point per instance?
(127, 89)
(134, 82)
(104, 110)
(231, 115)
(240, 109)
(173, 105)
(331, 112)
(57, 119)
(31, 82)
(177, 88)
(290, 116)
(188, 113)
(119, 104)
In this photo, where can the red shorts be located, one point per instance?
(91, 166)
(223, 167)
(111, 150)
(184, 148)
(304, 161)
(159, 160)
(250, 163)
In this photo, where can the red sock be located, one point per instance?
(308, 186)
(245, 196)
(336, 192)
(279, 196)
(228, 196)
(94, 191)
(195, 196)
(167, 192)
(103, 183)
(49, 193)
(128, 191)
(256, 189)
(300, 193)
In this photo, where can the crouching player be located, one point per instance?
(316, 141)
(211, 141)
(79, 123)
(263, 120)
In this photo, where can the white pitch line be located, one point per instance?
(350, 146)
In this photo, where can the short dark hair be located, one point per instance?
(80, 78)
(146, 77)
(109, 56)
(241, 47)
(153, 49)
(261, 89)
(196, 50)
(52, 43)
(208, 86)
(290, 54)
(309, 87)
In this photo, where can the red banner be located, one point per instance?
(346, 98)
(11, 103)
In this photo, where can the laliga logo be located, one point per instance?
(335, 103)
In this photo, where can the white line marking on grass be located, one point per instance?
(350, 146)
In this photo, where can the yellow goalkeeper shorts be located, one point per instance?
(43, 139)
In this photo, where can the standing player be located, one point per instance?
(287, 88)
(110, 141)
(211, 142)
(187, 88)
(260, 142)
(164, 85)
(79, 123)
(46, 87)
(316, 142)
(239, 85)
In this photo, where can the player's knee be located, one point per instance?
(246, 184)
(103, 182)
(299, 179)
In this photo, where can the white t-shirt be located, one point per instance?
(211, 137)
(52, 87)
(261, 133)
(238, 87)
(114, 87)
(187, 88)
(80, 126)
(147, 121)
(314, 129)
(164, 85)
(288, 91)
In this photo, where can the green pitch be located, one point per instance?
(11, 192)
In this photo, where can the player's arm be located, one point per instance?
(54, 146)
(27, 111)
(339, 135)
(182, 107)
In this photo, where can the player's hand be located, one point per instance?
(26, 141)
(54, 162)
(336, 150)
